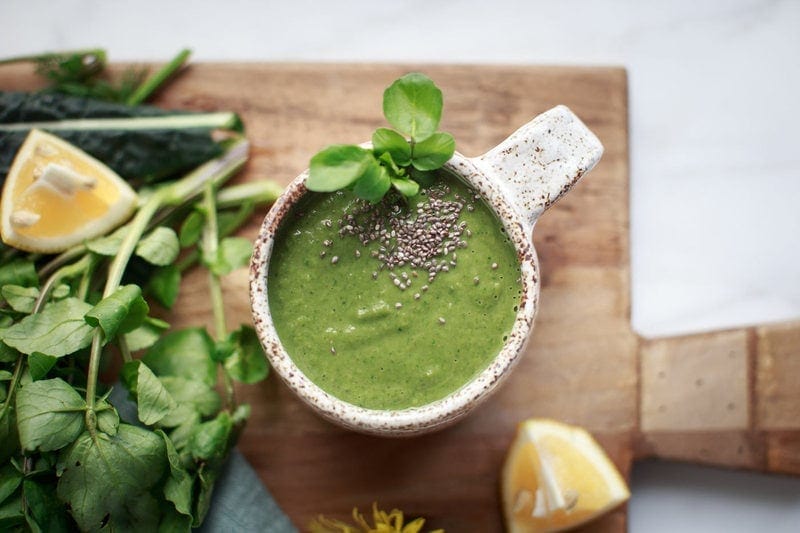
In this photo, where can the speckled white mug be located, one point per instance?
(519, 179)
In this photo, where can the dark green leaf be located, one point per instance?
(337, 167)
(385, 140)
(182, 433)
(153, 400)
(9, 438)
(7, 353)
(21, 299)
(373, 184)
(135, 141)
(179, 485)
(172, 521)
(209, 440)
(160, 247)
(425, 178)
(146, 335)
(40, 364)
(248, 363)
(184, 353)
(207, 477)
(107, 478)
(59, 329)
(5, 375)
(11, 513)
(164, 285)
(413, 105)
(433, 152)
(18, 271)
(50, 414)
(109, 244)
(193, 398)
(233, 253)
(192, 229)
(407, 187)
(121, 312)
(10, 479)
(60, 292)
(46, 512)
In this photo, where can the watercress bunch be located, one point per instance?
(402, 158)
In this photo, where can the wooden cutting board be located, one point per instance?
(728, 398)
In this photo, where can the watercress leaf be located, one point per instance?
(10, 479)
(5, 375)
(50, 414)
(108, 245)
(45, 511)
(434, 151)
(192, 397)
(60, 292)
(425, 178)
(40, 364)
(59, 329)
(224, 348)
(7, 353)
(407, 187)
(121, 312)
(21, 299)
(105, 479)
(11, 514)
(107, 418)
(9, 437)
(182, 432)
(233, 253)
(146, 335)
(247, 363)
(153, 400)
(179, 486)
(164, 285)
(172, 521)
(209, 440)
(413, 105)
(19, 272)
(337, 167)
(206, 477)
(373, 184)
(160, 247)
(389, 141)
(191, 229)
(184, 353)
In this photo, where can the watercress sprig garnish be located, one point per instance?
(402, 158)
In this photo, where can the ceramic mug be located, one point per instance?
(519, 179)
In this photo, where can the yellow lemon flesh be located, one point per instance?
(56, 196)
(557, 477)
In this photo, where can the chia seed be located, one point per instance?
(442, 321)
(334, 259)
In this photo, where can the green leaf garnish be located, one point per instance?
(247, 363)
(164, 285)
(153, 399)
(433, 152)
(337, 167)
(413, 105)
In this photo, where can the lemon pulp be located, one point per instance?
(56, 196)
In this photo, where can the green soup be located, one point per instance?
(388, 307)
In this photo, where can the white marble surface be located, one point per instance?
(714, 137)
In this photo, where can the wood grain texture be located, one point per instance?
(727, 398)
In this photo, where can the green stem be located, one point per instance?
(13, 385)
(226, 227)
(98, 53)
(259, 192)
(211, 249)
(124, 350)
(68, 271)
(151, 84)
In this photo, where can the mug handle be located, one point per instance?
(537, 164)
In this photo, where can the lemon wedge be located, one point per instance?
(56, 196)
(557, 477)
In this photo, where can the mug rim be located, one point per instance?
(433, 415)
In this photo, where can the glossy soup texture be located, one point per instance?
(393, 338)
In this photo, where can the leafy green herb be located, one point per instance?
(160, 247)
(50, 414)
(152, 397)
(246, 362)
(123, 311)
(400, 159)
(58, 330)
(106, 479)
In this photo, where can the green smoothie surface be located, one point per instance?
(393, 306)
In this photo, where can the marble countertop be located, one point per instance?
(714, 148)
